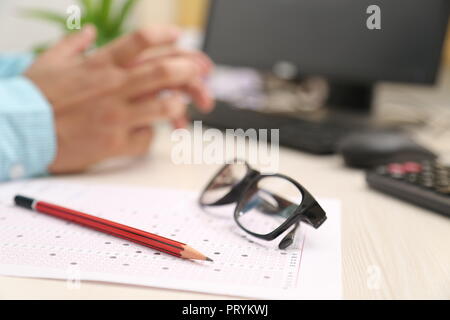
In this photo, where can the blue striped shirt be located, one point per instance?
(27, 133)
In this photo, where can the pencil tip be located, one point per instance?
(209, 259)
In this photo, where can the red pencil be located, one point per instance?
(147, 239)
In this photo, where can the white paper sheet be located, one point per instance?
(36, 245)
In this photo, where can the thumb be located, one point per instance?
(73, 44)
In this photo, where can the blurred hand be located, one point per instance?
(104, 103)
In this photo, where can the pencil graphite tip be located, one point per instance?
(209, 259)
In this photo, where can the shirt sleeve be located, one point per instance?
(12, 65)
(27, 133)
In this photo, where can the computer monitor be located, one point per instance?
(331, 38)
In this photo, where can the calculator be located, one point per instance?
(426, 184)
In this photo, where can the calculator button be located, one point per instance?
(412, 167)
(396, 170)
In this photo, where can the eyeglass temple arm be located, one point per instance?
(312, 214)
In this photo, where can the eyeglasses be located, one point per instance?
(267, 205)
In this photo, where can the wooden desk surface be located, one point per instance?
(406, 246)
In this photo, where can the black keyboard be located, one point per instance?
(296, 133)
(426, 184)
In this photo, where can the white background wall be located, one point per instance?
(18, 33)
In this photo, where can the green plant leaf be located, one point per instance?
(88, 5)
(88, 11)
(100, 13)
(104, 14)
(40, 48)
(45, 15)
(122, 16)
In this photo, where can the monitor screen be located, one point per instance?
(331, 37)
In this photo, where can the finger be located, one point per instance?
(169, 107)
(180, 123)
(85, 84)
(73, 44)
(124, 50)
(139, 141)
(196, 91)
(200, 94)
(150, 56)
(166, 73)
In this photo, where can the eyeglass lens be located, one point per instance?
(223, 182)
(267, 203)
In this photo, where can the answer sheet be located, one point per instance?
(36, 245)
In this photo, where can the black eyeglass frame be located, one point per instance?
(308, 211)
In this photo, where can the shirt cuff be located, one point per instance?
(12, 65)
(27, 127)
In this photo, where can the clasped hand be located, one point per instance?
(104, 103)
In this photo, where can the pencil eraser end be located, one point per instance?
(23, 202)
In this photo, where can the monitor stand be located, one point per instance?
(357, 98)
(348, 104)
